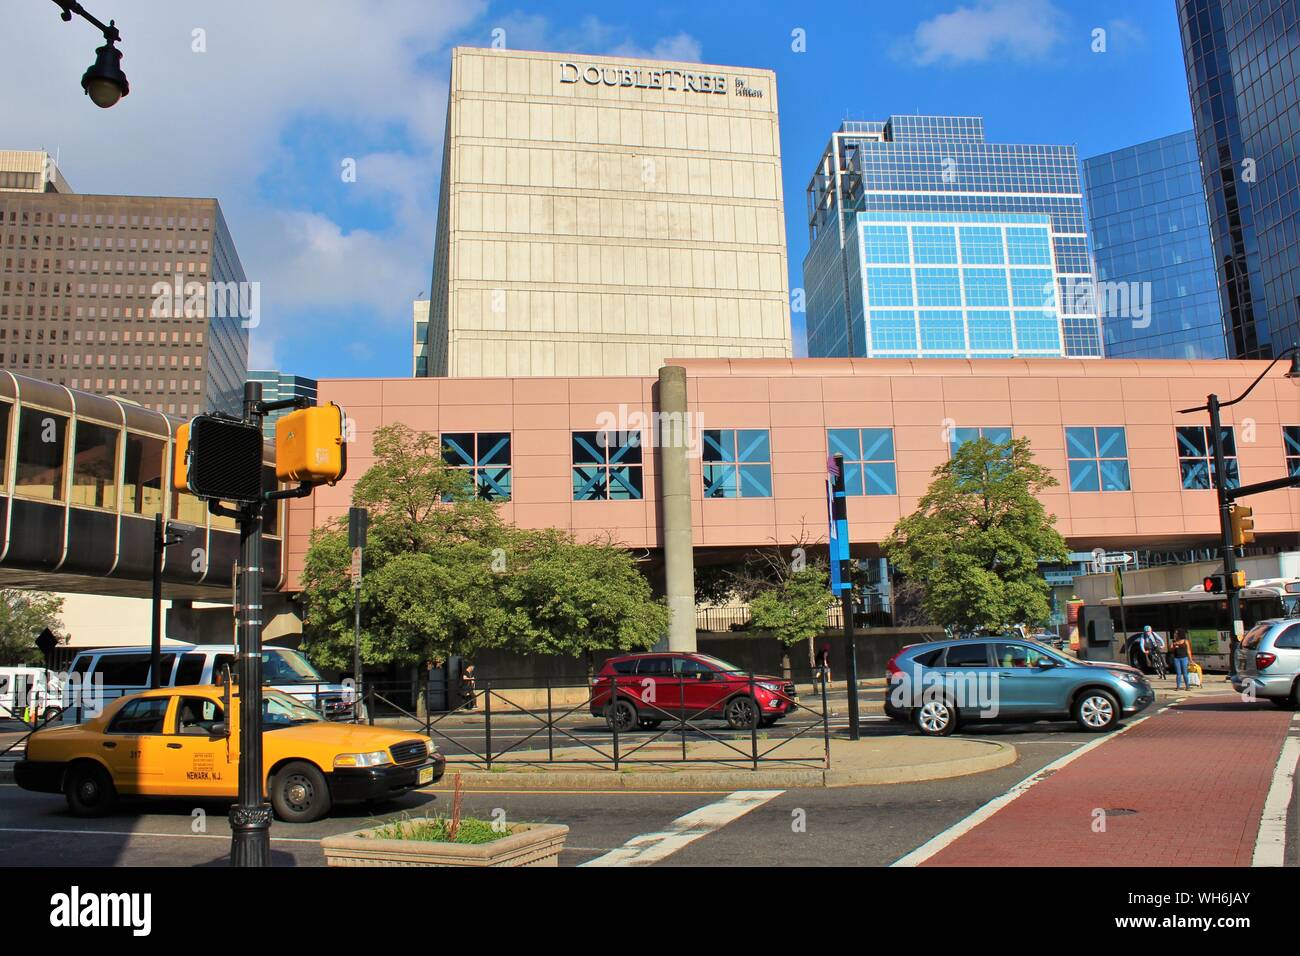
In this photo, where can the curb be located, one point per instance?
(996, 755)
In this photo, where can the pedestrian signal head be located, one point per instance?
(181, 458)
(310, 445)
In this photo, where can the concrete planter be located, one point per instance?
(529, 844)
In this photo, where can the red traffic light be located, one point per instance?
(1213, 583)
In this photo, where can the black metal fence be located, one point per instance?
(559, 731)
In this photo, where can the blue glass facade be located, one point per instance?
(1242, 57)
(927, 241)
(1151, 248)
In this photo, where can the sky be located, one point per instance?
(266, 105)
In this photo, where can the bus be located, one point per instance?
(1107, 633)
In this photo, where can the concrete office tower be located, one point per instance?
(927, 241)
(599, 215)
(30, 171)
(1241, 58)
(278, 385)
(142, 297)
(420, 338)
(1151, 244)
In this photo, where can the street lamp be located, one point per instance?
(104, 82)
(1226, 496)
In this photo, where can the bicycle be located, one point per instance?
(1158, 662)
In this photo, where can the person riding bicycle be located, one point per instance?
(1152, 647)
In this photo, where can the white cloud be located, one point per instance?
(986, 30)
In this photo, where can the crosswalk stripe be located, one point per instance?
(652, 847)
(1270, 843)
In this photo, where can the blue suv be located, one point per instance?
(939, 685)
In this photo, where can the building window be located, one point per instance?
(737, 463)
(960, 436)
(485, 457)
(868, 459)
(1196, 457)
(607, 466)
(1291, 447)
(1098, 459)
(41, 437)
(94, 466)
(142, 484)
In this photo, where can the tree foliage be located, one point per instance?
(978, 536)
(794, 609)
(23, 616)
(444, 575)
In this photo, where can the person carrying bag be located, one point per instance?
(1182, 652)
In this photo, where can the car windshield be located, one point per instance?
(1048, 651)
(281, 710)
(282, 666)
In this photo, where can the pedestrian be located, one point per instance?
(824, 664)
(1182, 650)
(1147, 644)
(467, 686)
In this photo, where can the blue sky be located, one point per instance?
(260, 104)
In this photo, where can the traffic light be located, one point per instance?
(1243, 524)
(219, 459)
(1238, 580)
(1213, 584)
(310, 446)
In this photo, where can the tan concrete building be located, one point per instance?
(600, 214)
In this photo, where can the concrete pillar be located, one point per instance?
(675, 500)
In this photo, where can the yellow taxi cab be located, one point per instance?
(184, 742)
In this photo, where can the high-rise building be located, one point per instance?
(30, 171)
(420, 338)
(1241, 58)
(599, 215)
(928, 241)
(278, 385)
(1151, 250)
(142, 297)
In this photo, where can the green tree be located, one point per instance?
(23, 615)
(444, 575)
(977, 537)
(794, 609)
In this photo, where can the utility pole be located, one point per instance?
(842, 577)
(358, 521)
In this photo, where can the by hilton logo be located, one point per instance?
(643, 79)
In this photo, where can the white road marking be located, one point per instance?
(146, 833)
(651, 847)
(1270, 844)
(962, 827)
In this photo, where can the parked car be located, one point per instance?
(940, 685)
(654, 687)
(114, 671)
(1268, 662)
(184, 742)
(30, 693)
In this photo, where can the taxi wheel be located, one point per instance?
(299, 793)
(89, 790)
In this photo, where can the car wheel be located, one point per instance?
(89, 790)
(1096, 711)
(621, 716)
(646, 723)
(741, 713)
(936, 718)
(299, 793)
(52, 714)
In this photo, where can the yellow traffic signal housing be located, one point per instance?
(180, 458)
(1238, 580)
(310, 445)
(1243, 524)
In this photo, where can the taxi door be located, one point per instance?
(133, 746)
(199, 758)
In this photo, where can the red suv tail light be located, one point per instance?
(891, 667)
(1264, 659)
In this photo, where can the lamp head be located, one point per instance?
(104, 81)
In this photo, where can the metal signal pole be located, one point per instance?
(840, 518)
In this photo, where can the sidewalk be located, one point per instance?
(872, 761)
(1186, 787)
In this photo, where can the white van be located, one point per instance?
(108, 673)
(30, 693)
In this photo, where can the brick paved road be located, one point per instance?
(1197, 774)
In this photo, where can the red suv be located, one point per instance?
(653, 688)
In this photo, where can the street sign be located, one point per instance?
(1119, 582)
(356, 568)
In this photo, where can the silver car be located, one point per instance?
(1268, 662)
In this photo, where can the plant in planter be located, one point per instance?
(448, 841)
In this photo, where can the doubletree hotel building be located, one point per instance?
(598, 215)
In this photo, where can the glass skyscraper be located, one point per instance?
(1242, 57)
(1151, 248)
(927, 241)
(277, 385)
